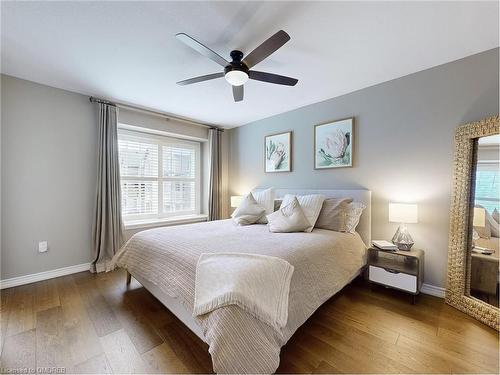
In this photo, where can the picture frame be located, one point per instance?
(334, 144)
(278, 152)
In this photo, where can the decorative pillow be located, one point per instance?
(493, 224)
(266, 199)
(310, 204)
(354, 212)
(290, 218)
(277, 204)
(248, 212)
(333, 214)
(484, 232)
(496, 215)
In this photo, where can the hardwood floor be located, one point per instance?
(86, 323)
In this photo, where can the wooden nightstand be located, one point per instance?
(402, 270)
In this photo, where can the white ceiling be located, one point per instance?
(127, 51)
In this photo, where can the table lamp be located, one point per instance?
(479, 219)
(403, 213)
(236, 200)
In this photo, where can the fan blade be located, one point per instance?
(205, 51)
(238, 93)
(266, 48)
(201, 78)
(272, 78)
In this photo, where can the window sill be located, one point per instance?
(164, 222)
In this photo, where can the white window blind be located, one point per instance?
(487, 192)
(160, 176)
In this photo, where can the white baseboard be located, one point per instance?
(433, 290)
(28, 279)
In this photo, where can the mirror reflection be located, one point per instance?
(484, 277)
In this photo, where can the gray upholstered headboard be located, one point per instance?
(360, 195)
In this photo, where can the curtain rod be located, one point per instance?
(93, 99)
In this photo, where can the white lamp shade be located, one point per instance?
(403, 213)
(236, 200)
(479, 217)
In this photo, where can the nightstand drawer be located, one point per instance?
(395, 279)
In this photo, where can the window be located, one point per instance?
(160, 176)
(488, 186)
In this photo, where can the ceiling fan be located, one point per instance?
(237, 72)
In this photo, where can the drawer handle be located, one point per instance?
(391, 271)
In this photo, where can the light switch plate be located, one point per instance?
(43, 246)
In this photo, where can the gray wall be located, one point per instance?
(403, 151)
(403, 146)
(48, 176)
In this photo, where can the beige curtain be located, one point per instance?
(215, 175)
(107, 229)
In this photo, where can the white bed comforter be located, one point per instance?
(324, 262)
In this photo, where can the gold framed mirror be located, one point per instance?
(473, 273)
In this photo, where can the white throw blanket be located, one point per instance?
(259, 284)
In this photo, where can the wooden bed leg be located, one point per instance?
(129, 278)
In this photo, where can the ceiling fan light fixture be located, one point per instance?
(236, 77)
(237, 71)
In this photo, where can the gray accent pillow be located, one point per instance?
(277, 204)
(249, 211)
(290, 218)
(333, 214)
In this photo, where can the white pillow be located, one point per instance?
(310, 204)
(496, 215)
(248, 212)
(266, 199)
(494, 225)
(290, 218)
(354, 212)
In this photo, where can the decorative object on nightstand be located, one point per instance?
(236, 200)
(402, 270)
(384, 245)
(403, 213)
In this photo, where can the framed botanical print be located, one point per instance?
(333, 144)
(278, 152)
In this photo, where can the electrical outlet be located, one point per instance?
(43, 246)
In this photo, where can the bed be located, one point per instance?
(164, 261)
